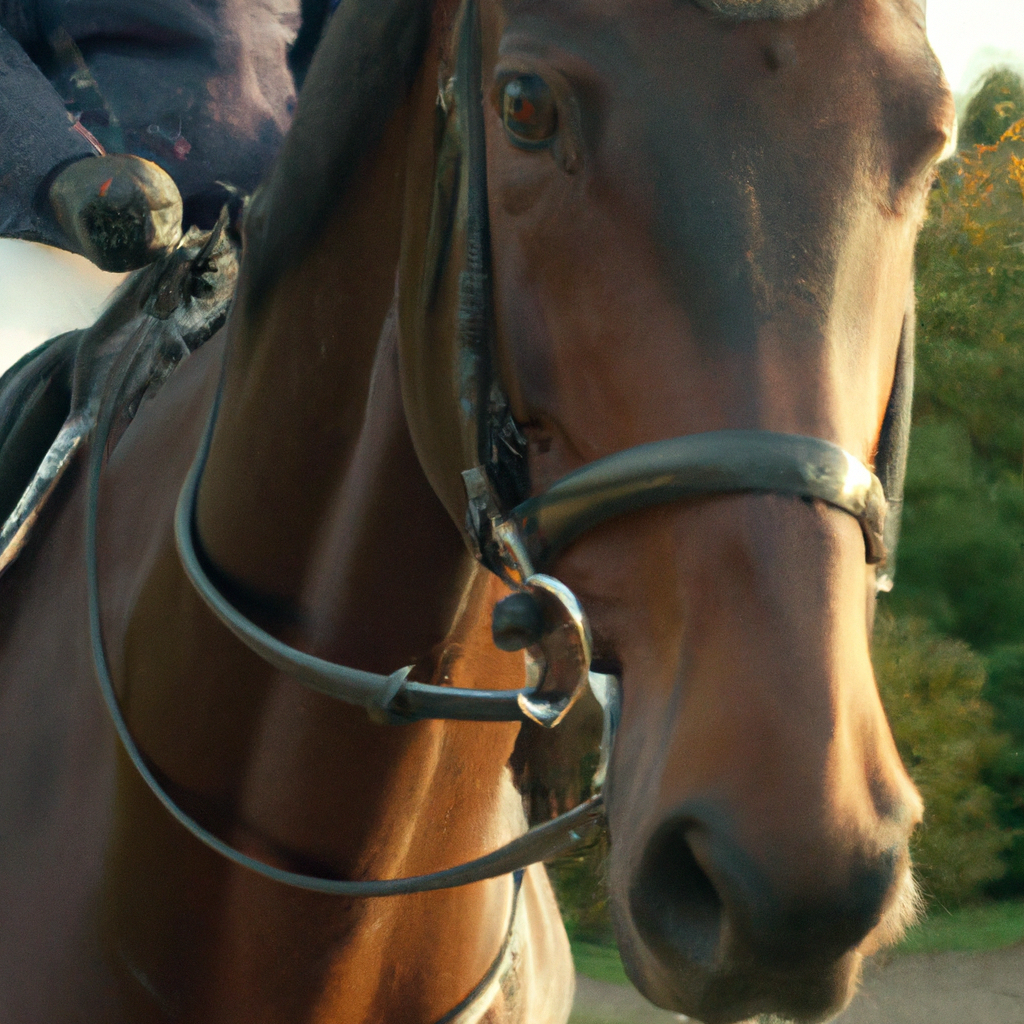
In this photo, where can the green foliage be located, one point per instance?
(961, 563)
(578, 879)
(970, 267)
(932, 689)
(962, 566)
(961, 559)
(997, 104)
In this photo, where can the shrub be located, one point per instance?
(932, 689)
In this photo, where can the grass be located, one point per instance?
(969, 929)
(599, 962)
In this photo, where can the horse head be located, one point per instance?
(651, 327)
(701, 217)
(624, 222)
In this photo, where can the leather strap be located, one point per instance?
(718, 462)
(476, 1003)
(540, 843)
(392, 699)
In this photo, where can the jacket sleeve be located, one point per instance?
(37, 138)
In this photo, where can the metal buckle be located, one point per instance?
(558, 644)
(561, 655)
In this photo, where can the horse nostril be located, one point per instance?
(674, 904)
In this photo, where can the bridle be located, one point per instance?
(511, 534)
(508, 543)
(511, 538)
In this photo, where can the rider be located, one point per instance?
(121, 123)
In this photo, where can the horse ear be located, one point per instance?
(361, 72)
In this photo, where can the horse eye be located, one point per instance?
(528, 111)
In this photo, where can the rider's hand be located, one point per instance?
(121, 212)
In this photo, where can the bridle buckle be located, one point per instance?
(554, 631)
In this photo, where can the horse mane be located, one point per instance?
(364, 67)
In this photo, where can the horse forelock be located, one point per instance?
(733, 10)
(764, 10)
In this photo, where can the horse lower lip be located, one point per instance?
(737, 992)
(806, 999)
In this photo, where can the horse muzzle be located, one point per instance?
(758, 810)
(709, 932)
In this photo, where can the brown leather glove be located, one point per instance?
(121, 212)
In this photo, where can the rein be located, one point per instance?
(540, 843)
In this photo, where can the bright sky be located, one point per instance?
(971, 36)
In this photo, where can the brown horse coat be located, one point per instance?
(719, 233)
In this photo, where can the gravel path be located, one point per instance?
(938, 988)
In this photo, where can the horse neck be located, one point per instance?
(313, 500)
(303, 781)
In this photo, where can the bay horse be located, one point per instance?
(619, 290)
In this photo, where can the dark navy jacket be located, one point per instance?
(203, 89)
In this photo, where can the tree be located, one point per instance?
(970, 267)
(962, 547)
(997, 104)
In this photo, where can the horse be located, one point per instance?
(579, 328)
